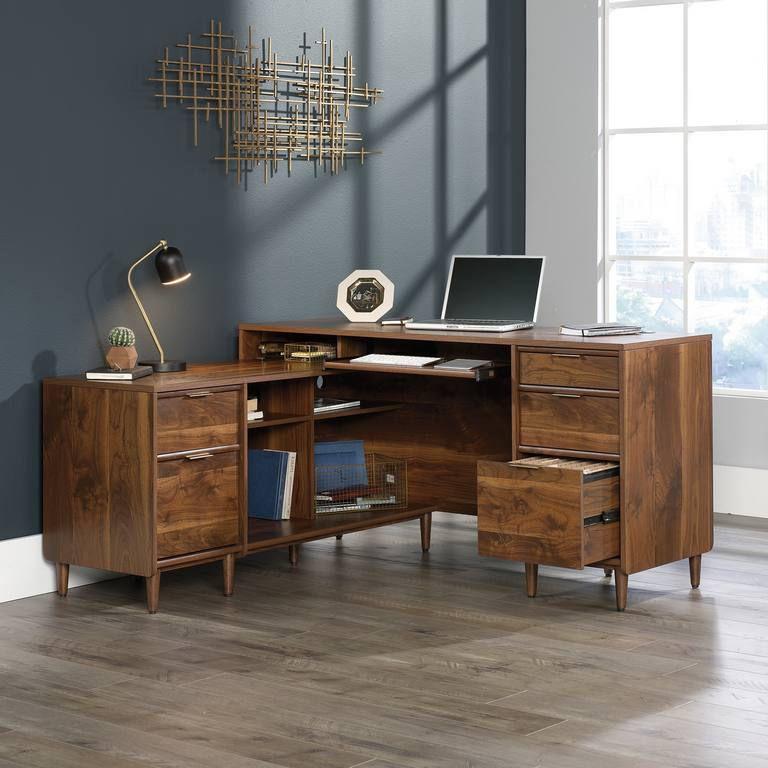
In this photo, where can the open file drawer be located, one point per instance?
(548, 511)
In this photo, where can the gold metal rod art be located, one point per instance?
(268, 110)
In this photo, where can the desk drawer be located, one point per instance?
(198, 419)
(569, 421)
(198, 503)
(569, 369)
(548, 511)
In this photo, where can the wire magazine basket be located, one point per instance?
(379, 483)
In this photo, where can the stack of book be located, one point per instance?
(110, 374)
(600, 329)
(270, 483)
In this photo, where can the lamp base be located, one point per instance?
(167, 366)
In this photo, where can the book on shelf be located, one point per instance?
(340, 465)
(325, 404)
(600, 329)
(255, 415)
(253, 403)
(108, 374)
(270, 483)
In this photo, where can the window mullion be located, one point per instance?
(687, 265)
(606, 313)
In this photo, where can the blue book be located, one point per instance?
(270, 483)
(340, 465)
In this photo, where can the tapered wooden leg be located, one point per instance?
(153, 592)
(694, 564)
(62, 578)
(228, 566)
(622, 583)
(608, 572)
(426, 531)
(293, 554)
(531, 579)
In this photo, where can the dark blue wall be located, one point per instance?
(94, 173)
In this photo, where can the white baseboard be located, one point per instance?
(24, 572)
(741, 491)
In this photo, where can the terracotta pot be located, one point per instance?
(122, 358)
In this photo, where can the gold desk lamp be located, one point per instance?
(171, 270)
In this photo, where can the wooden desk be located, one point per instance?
(152, 475)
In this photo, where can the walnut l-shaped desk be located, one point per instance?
(151, 475)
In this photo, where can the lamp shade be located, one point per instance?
(170, 266)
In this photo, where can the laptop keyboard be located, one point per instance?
(478, 322)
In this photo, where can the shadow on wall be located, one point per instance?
(501, 202)
(85, 201)
(106, 282)
(446, 170)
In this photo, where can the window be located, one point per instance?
(685, 220)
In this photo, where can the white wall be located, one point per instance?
(24, 572)
(563, 215)
(562, 155)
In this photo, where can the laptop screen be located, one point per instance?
(493, 288)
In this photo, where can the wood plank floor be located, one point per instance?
(371, 654)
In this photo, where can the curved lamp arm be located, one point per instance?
(160, 245)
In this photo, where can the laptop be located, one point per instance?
(489, 293)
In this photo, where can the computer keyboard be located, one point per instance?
(464, 321)
(410, 361)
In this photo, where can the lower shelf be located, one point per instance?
(266, 534)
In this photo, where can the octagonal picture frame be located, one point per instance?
(365, 296)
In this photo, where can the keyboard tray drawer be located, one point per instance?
(548, 511)
(569, 369)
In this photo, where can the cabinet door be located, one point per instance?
(198, 503)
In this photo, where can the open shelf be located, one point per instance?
(266, 534)
(480, 374)
(275, 420)
(358, 411)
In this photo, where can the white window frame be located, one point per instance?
(607, 297)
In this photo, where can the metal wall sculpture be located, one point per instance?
(268, 110)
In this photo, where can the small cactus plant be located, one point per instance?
(121, 337)
(122, 353)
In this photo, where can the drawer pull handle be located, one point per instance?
(562, 394)
(199, 394)
(196, 456)
(563, 354)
